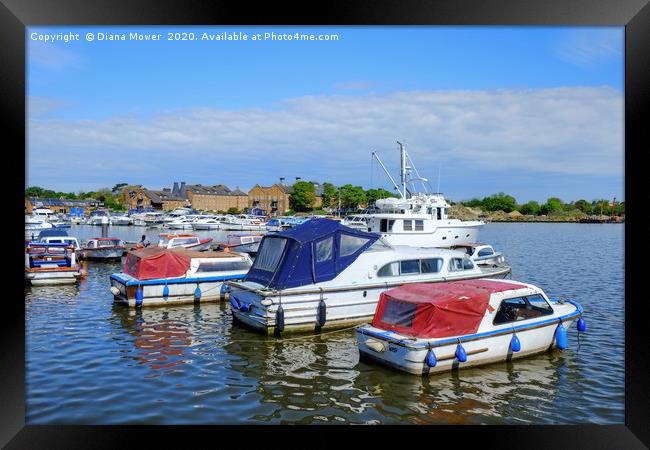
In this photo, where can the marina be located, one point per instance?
(193, 363)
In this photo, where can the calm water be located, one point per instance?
(92, 362)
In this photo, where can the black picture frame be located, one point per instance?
(15, 15)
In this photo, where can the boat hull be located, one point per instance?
(345, 307)
(446, 234)
(39, 277)
(380, 348)
(181, 291)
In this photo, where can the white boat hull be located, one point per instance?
(446, 234)
(206, 226)
(52, 277)
(241, 227)
(102, 253)
(479, 352)
(179, 293)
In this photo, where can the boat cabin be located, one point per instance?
(103, 243)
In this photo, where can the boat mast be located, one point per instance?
(402, 161)
(374, 154)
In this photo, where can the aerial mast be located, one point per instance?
(402, 167)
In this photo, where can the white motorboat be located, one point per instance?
(51, 263)
(242, 223)
(98, 217)
(207, 223)
(418, 218)
(120, 220)
(481, 254)
(322, 274)
(157, 276)
(357, 221)
(183, 222)
(243, 243)
(430, 328)
(188, 241)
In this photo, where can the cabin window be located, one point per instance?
(430, 210)
(108, 243)
(350, 244)
(217, 266)
(511, 310)
(410, 266)
(324, 249)
(419, 225)
(431, 265)
(399, 313)
(538, 306)
(455, 264)
(389, 270)
(408, 225)
(270, 254)
(485, 252)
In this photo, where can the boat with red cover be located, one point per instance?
(427, 328)
(159, 276)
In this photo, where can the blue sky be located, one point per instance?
(531, 111)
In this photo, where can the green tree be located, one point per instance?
(115, 190)
(303, 196)
(583, 205)
(372, 195)
(500, 201)
(232, 210)
(531, 208)
(34, 191)
(473, 203)
(352, 196)
(552, 205)
(330, 195)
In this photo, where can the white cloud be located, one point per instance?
(572, 131)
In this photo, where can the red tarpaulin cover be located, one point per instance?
(156, 262)
(437, 310)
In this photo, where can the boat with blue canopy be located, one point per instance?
(322, 274)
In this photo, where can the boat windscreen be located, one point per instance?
(269, 254)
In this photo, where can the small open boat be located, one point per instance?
(428, 328)
(157, 276)
(481, 254)
(103, 248)
(50, 263)
(249, 243)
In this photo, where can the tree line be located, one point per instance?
(303, 197)
(109, 196)
(553, 205)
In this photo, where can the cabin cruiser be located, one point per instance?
(207, 223)
(358, 222)
(120, 219)
(51, 263)
(242, 223)
(183, 222)
(98, 217)
(157, 276)
(418, 218)
(33, 225)
(429, 328)
(59, 236)
(322, 274)
(103, 248)
(481, 254)
(189, 241)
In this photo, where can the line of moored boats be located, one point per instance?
(423, 295)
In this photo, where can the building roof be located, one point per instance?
(62, 202)
(162, 196)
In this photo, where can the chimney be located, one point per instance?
(182, 190)
(175, 189)
(281, 180)
(297, 178)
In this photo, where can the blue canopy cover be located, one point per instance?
(313, 252)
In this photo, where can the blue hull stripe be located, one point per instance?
(386, 334)
(163, 281)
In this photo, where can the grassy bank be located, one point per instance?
(461, 212)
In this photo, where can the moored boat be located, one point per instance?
(157, 276)
(98, 217)
(188, 241)
(51, 263)
(481, 254)
(103, 248)
(428, 328)
(243, 243)
(324, 275)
